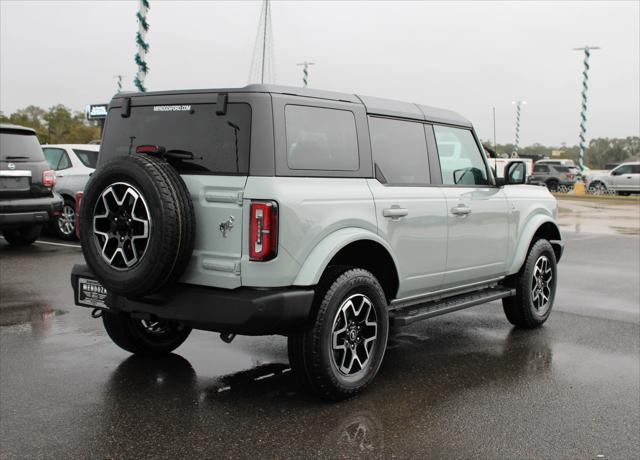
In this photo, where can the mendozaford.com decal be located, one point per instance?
(171, 108)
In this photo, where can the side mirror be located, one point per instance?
(514, 173)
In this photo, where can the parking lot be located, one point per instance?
(465, 385)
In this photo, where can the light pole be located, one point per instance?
(305, 72)
(583, 111)
(518, 104)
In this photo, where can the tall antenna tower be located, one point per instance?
(262, 67)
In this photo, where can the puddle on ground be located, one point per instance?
(23, 313)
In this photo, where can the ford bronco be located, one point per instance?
(324, 217)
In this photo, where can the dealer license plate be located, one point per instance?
(91, 293)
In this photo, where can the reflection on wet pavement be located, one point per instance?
(600, 216)
(466, 385)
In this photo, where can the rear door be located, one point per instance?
(214, 141)
(411, 213)
(477, 210)
(21, 165)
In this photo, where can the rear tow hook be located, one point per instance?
(96, 313)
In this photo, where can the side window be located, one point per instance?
(57, 158)
(400, 150)
(540, 169)
(321, 139)
(625, 169)
(635, 169)
(461, 162)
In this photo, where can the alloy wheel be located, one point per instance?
(354, 334)
(542, 285)
(67, 220)
(121, 225)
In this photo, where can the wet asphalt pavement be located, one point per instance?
(466, 385)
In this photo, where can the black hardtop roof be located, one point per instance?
(11, 127)
(373, 105)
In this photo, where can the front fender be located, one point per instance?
(323, 252)
(522, 247)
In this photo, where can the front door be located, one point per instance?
(477, 210)
(624, 179)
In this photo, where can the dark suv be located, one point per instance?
(556, 177)
(27, 199)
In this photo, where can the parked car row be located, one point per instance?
(38, 184)
(560, 175)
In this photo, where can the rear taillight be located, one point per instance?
(48, 178)
(79, 196)
(569, 176)
(263, 230)
(150, 149)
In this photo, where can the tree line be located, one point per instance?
(61, 125)
(57, 125)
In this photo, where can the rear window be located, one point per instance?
(18, 146)
(89, 158)
(214, 144)
(321, 139)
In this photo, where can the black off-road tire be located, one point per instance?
(22, 236)
(553, 185)
(310, 352)
(520, 309)
(172, 225)
(131, 335)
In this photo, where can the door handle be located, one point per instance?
(395, 212)
(461, 210)
(59, 175)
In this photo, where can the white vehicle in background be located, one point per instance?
(72, 163)
(623, 180)
(498, 165)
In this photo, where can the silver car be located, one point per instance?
(73, 163)
(623, 180)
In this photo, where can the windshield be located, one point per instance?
(216, 144)
(89, 158)
(17, 146)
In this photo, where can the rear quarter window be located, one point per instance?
(217, 144)
(321, 139)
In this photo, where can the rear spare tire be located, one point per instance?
(138, 225)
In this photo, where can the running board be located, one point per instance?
(440, 307)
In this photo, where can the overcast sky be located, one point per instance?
(468, 57)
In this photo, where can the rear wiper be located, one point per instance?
(16, 157)
(171, 154)
(177, 154)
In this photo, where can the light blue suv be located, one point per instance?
(321, 216)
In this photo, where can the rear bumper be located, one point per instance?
(20, 211)
(246, 311)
